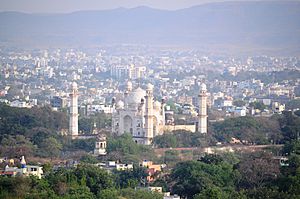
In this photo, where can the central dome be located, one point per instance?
(136, 95)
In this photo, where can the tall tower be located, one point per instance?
(100, 145)
(73, 125)
(149, 114)
(127, 91)
(163, 104)
(202, 114)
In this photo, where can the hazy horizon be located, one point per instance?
(67, 6)
(237, 27)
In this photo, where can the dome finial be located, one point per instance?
(203, 87)
(150, 86)
(23, 162)
(129, 86)
(74, 85)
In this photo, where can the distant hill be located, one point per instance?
(236, 26)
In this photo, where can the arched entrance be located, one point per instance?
(128, 124)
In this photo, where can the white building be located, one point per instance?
(167, 195)
(128, 71)
(19, 104)
(277, 107)
(123, 167)
(118, 166)
(227, 102)
(144, 118)
(240, 111)
(138, 115)
(25, 170)
(96, 108)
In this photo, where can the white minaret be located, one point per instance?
(73, 125)
(127, 91)
(202, 114)
(149, 114)
(163, 104)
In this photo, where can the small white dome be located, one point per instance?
(74, 85)
(120, 104)
(129, 85)
(150, 86)
(203, 87)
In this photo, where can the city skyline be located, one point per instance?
(150, 99)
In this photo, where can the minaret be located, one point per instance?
(127, 91)
(23, 165)
(73, 125)
(149, 114)
(163, 104)
(202, 114)
(95, 130)
(23, 162)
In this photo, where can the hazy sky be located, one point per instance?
(50, 6)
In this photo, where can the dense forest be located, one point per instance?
(255, 175)
(35, 132)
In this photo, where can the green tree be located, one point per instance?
(16, 187)
(293, 104)
(253, 130)
(89, 159)
(124, 144)
(171, 157)
(16, 146)
(126, 150)
(96, 179)
(161, 182)
(297, 113)
(39, 134)
(239, 103)
(47, 167)
(130, 178)
(192, 177)
(290, 126)
(140, 194)
(81, 144)
(268, 192)
(40, 188)
(165, 141)
(85, 125)
(257, 170)
(80, 192)
(211, 159)
(210, 193)
(108, 194)
(257, 105)
(50, 147)
(180, 138)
